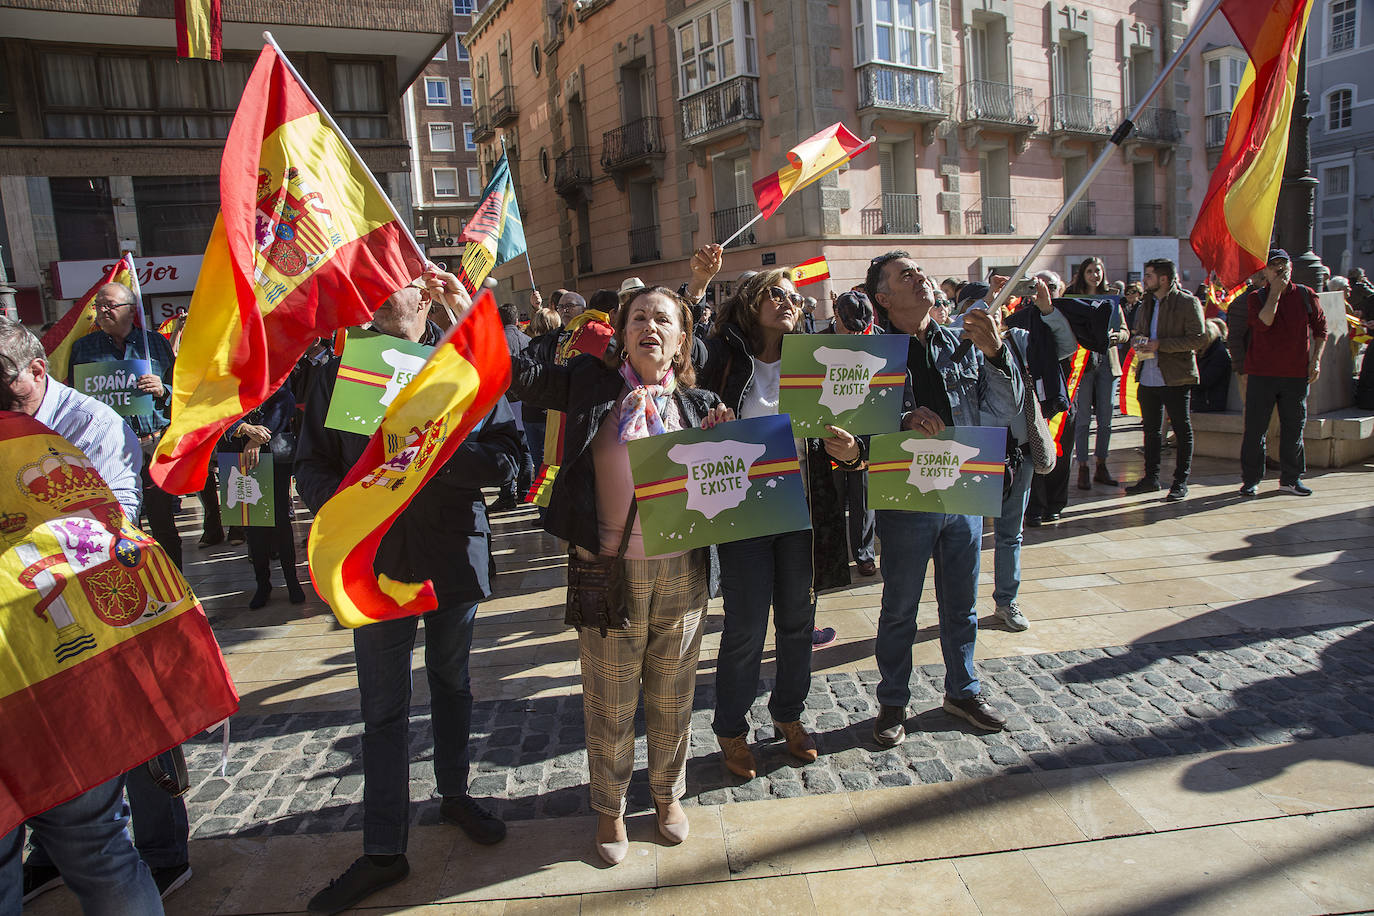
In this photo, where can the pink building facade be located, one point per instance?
(637, 129)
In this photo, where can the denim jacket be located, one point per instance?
(980, 392)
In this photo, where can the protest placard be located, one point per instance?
(853, 381)
(246, 496)
(958, 471)
(710, 486)
(115, 383)
(373, 369)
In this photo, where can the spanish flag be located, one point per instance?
(106, 658)
(80, 320)
(199, 33)
(305, 244)
(1128, 396)
(495, 233)
(1059, 427)
(813, 271)
(459, 384)
(807, 162)
(1236, 220)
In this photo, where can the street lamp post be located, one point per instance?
(1295, 215)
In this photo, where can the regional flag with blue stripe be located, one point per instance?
(495, 234)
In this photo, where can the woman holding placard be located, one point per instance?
(742, 362)
(639, 618)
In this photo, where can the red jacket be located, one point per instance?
(1283, 349)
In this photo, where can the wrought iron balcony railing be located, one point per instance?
(572, 169)
(1081, 219)
(900, 214)
(1158, 125)
(630, 143)
(727, 103)
(1149, 219)
(725, 223)
(503, 109)
(992, 216)
(1080, 114)
(1000, 103)
(644, 245)
(899, 89)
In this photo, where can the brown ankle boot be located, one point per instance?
(1083, 482)
(738, 758)
(799, 744)
(1102, 476)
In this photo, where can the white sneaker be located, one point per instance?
(1011, 617)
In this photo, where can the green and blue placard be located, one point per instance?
(246, 496)
(373, 369)
(853, 381)
(734, 481)
(116, 383)
(958, 471)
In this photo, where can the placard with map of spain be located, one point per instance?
(709, 486)
(958, 471)
(853, 381)
(372, 371)
(246, 496)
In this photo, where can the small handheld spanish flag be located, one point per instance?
(812, 271)
(807, 162)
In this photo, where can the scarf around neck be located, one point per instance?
(641, 411)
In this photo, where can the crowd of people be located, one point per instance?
(641, 361)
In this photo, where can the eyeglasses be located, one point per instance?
(781, 295)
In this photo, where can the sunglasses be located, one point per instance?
(781, 295)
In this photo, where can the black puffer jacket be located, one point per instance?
(586, 391)
(724, 366)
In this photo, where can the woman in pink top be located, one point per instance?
(641, 388)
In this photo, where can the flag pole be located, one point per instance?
(137, 290)
(329, 119)
(814, 178)
(1123, 131)
(528, 265)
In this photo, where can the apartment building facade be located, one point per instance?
(108, 142)
(636, 132)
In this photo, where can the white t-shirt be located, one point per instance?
(761, 397)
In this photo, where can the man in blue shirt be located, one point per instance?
(115, 339)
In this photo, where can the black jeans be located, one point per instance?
(161, 507)
(282, 536)
(1262, 393)
(1049, 493)
(1154, 400)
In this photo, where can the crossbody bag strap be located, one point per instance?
(629, 523)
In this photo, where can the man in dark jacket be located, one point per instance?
(442, 536)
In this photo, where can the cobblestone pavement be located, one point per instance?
(301, 773)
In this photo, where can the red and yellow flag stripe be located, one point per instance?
(1128, 399)
(812, 271)
(881, 380)
(776, 467)
(1058, 423)
(199, 30)
(968, 467)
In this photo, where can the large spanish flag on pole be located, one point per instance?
(80, 319)
(305, 243)
(459, 384)
(1236, 220)
(495, 233)
(199, 33)
(807, 162)
(106, 658)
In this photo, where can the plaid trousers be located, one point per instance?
(667, 610)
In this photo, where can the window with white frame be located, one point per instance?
(1335, 187)
(903, 32)
(442, 53)
(441, 137)
(474, 182)
(468, 143)
(716, 45)
(1340, 34)
(464, 7)
(465, 91)
(462, 49)
(1224, 71)
(436, 90)
(445, 182)
(1339, 103)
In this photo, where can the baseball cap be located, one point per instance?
(1277, 254)
(854, 310)
(973, 291)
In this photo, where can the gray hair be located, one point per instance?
(1338, 283)
(18, 347)
(1052, 279)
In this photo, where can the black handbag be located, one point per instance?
(596, 586)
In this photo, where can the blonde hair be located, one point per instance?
(742, 309)
(544, 321)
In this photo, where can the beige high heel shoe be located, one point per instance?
(615, 851)
(675, 831)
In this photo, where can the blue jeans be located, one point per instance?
(754, 574)
(909, 541)
(161, 829)
(88, 840)
(1096, 395)
(1006, 534)
(383, 659)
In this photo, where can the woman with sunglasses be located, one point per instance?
(741, 362)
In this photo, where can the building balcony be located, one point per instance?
(721, 110)
(725, 223)
(1149, 219)
(1081, 219)
(572, 171)
(584, 257)
(503, 110)
(992, 216)
(644, 245)
(999, 104)
(1080, 115)
(1217, 125)
(630, 145)
(900, 214)
(482, 129)
(1158, 126)
(899, 94)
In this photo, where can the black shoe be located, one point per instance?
(479, 824)
(1177, 492)
(503, 504)
(1297, 488)
(822, 637)
(39, 879)
(1033, 521)
(170, 878)
(210, 539)
(294, 593)
(888, 728)
(1249, 489)
(1144, 485)
(1050, 517)
(1104, 477)
(977, 712)
(362, 879)
(260, 597)
(236, 535)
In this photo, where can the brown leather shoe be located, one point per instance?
(1084, 480)
(1103, 476)
(737, 756)
(800, 744)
